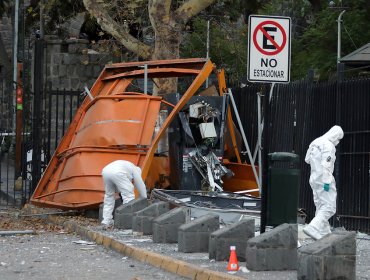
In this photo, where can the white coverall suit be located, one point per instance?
(321, 157)
(118, 176)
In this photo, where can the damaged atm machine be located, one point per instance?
(201, 175)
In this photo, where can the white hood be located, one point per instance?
(334, 134)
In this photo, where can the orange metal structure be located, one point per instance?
(112, 124)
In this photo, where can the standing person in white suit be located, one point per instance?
(121, 176)
(321, 157)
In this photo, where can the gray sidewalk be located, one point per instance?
(166, 256)
(201, 259)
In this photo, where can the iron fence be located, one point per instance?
(304, 110)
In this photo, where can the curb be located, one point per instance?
(175, 266)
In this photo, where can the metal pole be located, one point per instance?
(207, 54)
(259, 117)
(264, 195)
(36, 122)
(146, 78)
(339, 35)
(340, 70)
(15, 60)
(261, 123)
(244, 138)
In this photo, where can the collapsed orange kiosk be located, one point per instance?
(114, 123)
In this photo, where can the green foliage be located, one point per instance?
(314, 35)
(317, 47)
(228, 45)
(5, 6)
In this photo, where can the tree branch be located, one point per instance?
(191, 8)
(96, 9)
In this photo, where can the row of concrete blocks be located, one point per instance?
(333, 257)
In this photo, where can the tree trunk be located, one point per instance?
(167, 41)
(168, 27)
(167, 46)
(98, 10)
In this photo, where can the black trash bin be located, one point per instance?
(283, 188)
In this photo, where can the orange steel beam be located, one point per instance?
(168, 103)
(222, 88)
(198, 81)
(67, 190)
(154, 73)
(143, 118)
(67, 206)
(93, 150)
(181, 63)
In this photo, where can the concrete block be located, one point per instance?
(165, 227)
(118, 202)
(332, 257)
(194, 236)
(273, 250)
(142, 221)
(234, 235)
(124, 213)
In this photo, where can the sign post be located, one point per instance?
(269, 47)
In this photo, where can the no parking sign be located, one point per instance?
(269, 49)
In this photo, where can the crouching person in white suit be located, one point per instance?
(122, 176)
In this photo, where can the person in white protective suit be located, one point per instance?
(121, 176)
(321, 157)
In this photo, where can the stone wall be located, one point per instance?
(69, 64)
(6, 31)
(5, 98)
(72, 65)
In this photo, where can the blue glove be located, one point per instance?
(326, 187)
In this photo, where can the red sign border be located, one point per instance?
(259, 27)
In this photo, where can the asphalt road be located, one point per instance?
(52, 253)
(59, 255)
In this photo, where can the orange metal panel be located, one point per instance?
(118, 120)
(120, 87)
(74, 175)
(242, 180)
(158, 175)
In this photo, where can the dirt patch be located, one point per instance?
(26, 219)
